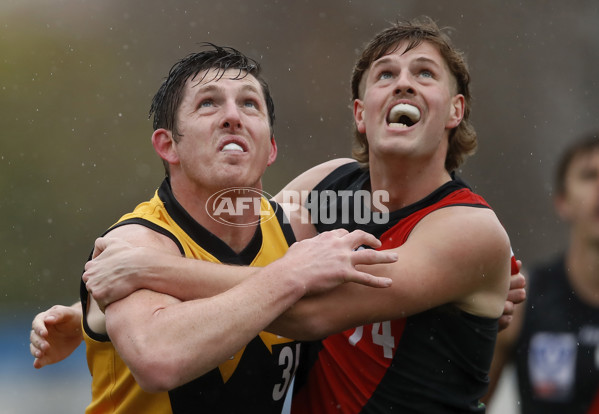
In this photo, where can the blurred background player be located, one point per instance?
(553, 340)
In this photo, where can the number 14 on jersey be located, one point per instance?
(381, 335)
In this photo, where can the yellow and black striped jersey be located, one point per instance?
(256, 378)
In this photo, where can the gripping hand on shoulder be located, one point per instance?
(112, 274)
(330, 259)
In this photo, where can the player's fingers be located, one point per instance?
(517, 291)
(35, 350)
(86, 267)
(40, 362)
(56, 316)
(517, 281)
(516, 296)
(369, 280)
(100, 245)
(358, 238)
(33, 336)
(504, 321)
(38, 342)
(369, 256)
(39, 326)
(336, 232)
(103, 244)
(508, 308)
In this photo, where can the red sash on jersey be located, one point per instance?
(594, 408)
(352, 364)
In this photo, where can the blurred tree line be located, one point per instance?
(75, 153)
(77, 77)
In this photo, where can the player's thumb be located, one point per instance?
(100, 245)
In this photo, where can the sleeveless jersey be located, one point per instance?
(557, 352)
(256, 378)
(432, 362)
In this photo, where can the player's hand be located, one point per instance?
(330, 259)
(112, 274)
(515, 296)
(55, 334)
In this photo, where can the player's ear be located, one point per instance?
(273, 151)
(562, 207)
(456, 111)
(359, 116)
(164, 145)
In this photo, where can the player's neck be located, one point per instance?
(232, 222)
(406, 183)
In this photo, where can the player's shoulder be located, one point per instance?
(314, 175)
(327, 167)
(143, 236)
(477, 228)
(307, 180)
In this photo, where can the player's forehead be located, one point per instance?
(215, 82)
(219, 79)
(398, 52)
(588, 159)
(397, 55)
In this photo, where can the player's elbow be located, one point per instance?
(162, 366)
(152, 363)
(308, 323)
(151, 380)
(313, 331)
(157, 373)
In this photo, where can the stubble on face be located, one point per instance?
(225, 132)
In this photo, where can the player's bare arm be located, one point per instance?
(120, 268)
(456, 255)
(166, 342)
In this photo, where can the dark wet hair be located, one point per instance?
(167, 100)
(462, 139)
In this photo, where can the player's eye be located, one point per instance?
(385, 75)
(426, 73)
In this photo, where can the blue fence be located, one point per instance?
(63, 388)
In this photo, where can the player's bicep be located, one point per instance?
(469, 252)
(129, 321)
(435, 266)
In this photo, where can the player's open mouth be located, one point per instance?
(403, 116)
(232, 147)
(233, 144)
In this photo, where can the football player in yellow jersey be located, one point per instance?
(213, 128)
